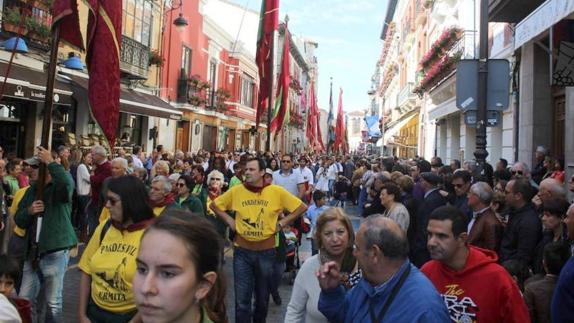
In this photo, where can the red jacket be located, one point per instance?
(101, 172)
(481, 292)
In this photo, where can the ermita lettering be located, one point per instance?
(114, 297)
(119, 247)
(254, 203)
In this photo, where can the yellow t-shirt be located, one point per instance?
(14, 207)
(105, 214)
(256, 214)
(112, 266)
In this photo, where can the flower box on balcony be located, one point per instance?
(439, 48)
(11, 20)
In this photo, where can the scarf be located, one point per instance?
(169, 199)
(134, 226)
(214, 192)
(255, 189)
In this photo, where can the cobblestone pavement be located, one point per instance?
(275, 314)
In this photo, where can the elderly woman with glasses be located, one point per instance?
(215, 182)
(185, 200)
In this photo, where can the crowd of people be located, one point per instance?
(436, 243)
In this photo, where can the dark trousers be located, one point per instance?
(254, 272)
(99, 315)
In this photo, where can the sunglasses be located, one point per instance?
(285, 161)
(216, 179)
(516, 172)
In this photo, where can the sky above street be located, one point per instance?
(348, 34)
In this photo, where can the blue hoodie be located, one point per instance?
(416, 301)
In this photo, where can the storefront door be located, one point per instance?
(209, 138)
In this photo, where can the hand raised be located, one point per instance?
(329, 275)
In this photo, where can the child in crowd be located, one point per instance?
(9, 273)
(290, 238)
(317, 208)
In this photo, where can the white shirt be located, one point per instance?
(8, 313)
(307, 175)
(137, 161)
(303, 306)
(289, 181)
(83, 179)
(475, 216)
(332, 171)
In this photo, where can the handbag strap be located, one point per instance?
(390, 299)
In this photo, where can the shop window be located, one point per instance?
(130, 130)
(63, 123)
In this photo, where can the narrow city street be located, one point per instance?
(275, 314)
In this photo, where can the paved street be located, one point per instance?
(276, 313)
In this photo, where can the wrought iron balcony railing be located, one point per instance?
(134, 58)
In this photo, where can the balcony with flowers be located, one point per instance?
(441, 59)
(387, 44)
(29, 19)
(296, 120)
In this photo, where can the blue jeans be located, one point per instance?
(50, 276)
(254, 272)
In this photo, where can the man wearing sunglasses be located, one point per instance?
(461, 180)
(289, 178)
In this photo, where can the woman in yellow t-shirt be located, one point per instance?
(179, 275)
(108, 263)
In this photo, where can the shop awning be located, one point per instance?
(132, 101)
(28, 84)
(391, 132)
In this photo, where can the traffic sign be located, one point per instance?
(498, 87)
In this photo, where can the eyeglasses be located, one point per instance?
(285, 161)
(516, 172)
(216, 179)
(180, 184)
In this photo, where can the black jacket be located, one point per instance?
(430, 203)
(521, 235)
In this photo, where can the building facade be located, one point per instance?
(144, 118)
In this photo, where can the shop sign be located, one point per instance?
(544, 17)
(26, 93)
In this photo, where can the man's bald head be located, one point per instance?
(387, 235)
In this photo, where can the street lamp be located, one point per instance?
(180, 22)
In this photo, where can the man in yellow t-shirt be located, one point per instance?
(257, 218)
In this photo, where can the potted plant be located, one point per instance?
(11, 21)
(32, 26)
(44, 32)
(222, 95)
(155, 58)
